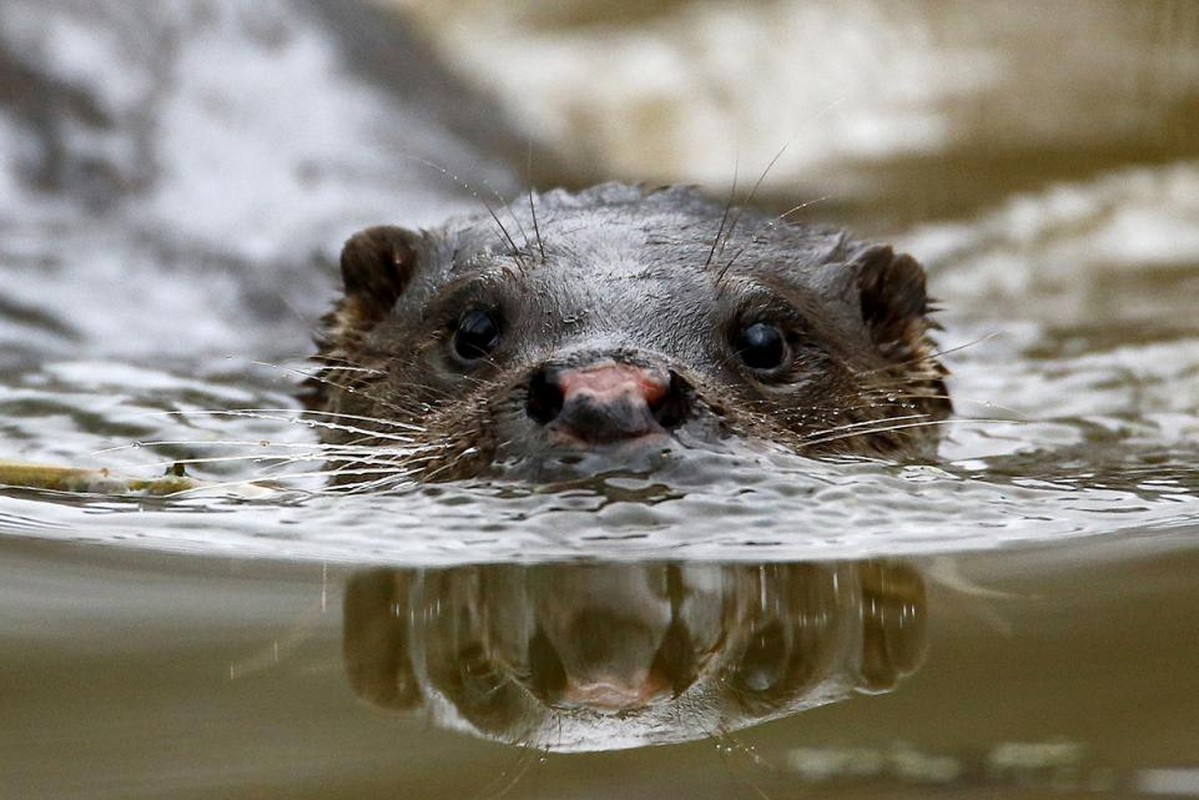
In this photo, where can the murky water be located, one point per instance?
(1015, 619)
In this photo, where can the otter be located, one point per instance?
(576, 657)
(620, 321)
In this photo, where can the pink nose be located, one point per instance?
(602, 403)
(615, 383)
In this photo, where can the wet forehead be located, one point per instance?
(620, 284)
(634, 269)
(600, 259)
(617, 295)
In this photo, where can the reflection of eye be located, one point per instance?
(765, 661)
(761, 346)
(476, 335)
(478, 670)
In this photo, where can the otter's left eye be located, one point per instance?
(477, 334)
(761, 346)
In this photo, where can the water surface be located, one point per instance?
(178, 182)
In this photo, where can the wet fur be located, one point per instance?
(864, 379)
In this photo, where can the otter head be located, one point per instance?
(616, 323)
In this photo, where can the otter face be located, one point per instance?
(620, 323)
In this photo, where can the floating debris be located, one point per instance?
(74, 480)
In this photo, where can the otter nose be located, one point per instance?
(606, 402)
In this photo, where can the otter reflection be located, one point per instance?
(573, 657)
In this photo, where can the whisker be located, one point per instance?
(503, 783)
(354, 388)
(728, 745)
(532, 205)
(896, 397)
(800, 207)
(340, 363)
(516, 252)
(849, 426)
(208, 487)
(923, 357)
(742, 206)
(388, 472)
(363, 455)
(753, 235)
(301, 417)
(884, 427)
(364, 435)
(724, 218)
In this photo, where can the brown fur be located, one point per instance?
(620, 273)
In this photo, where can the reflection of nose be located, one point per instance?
(600, 659)
(605, 402)
(616, 694)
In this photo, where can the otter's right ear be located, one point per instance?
(893, 301)
(376, 265)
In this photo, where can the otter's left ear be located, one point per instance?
(376, 641)
(893, 298)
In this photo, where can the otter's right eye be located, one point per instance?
(761, 346)
(476, 335)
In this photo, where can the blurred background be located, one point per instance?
(920, 109)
